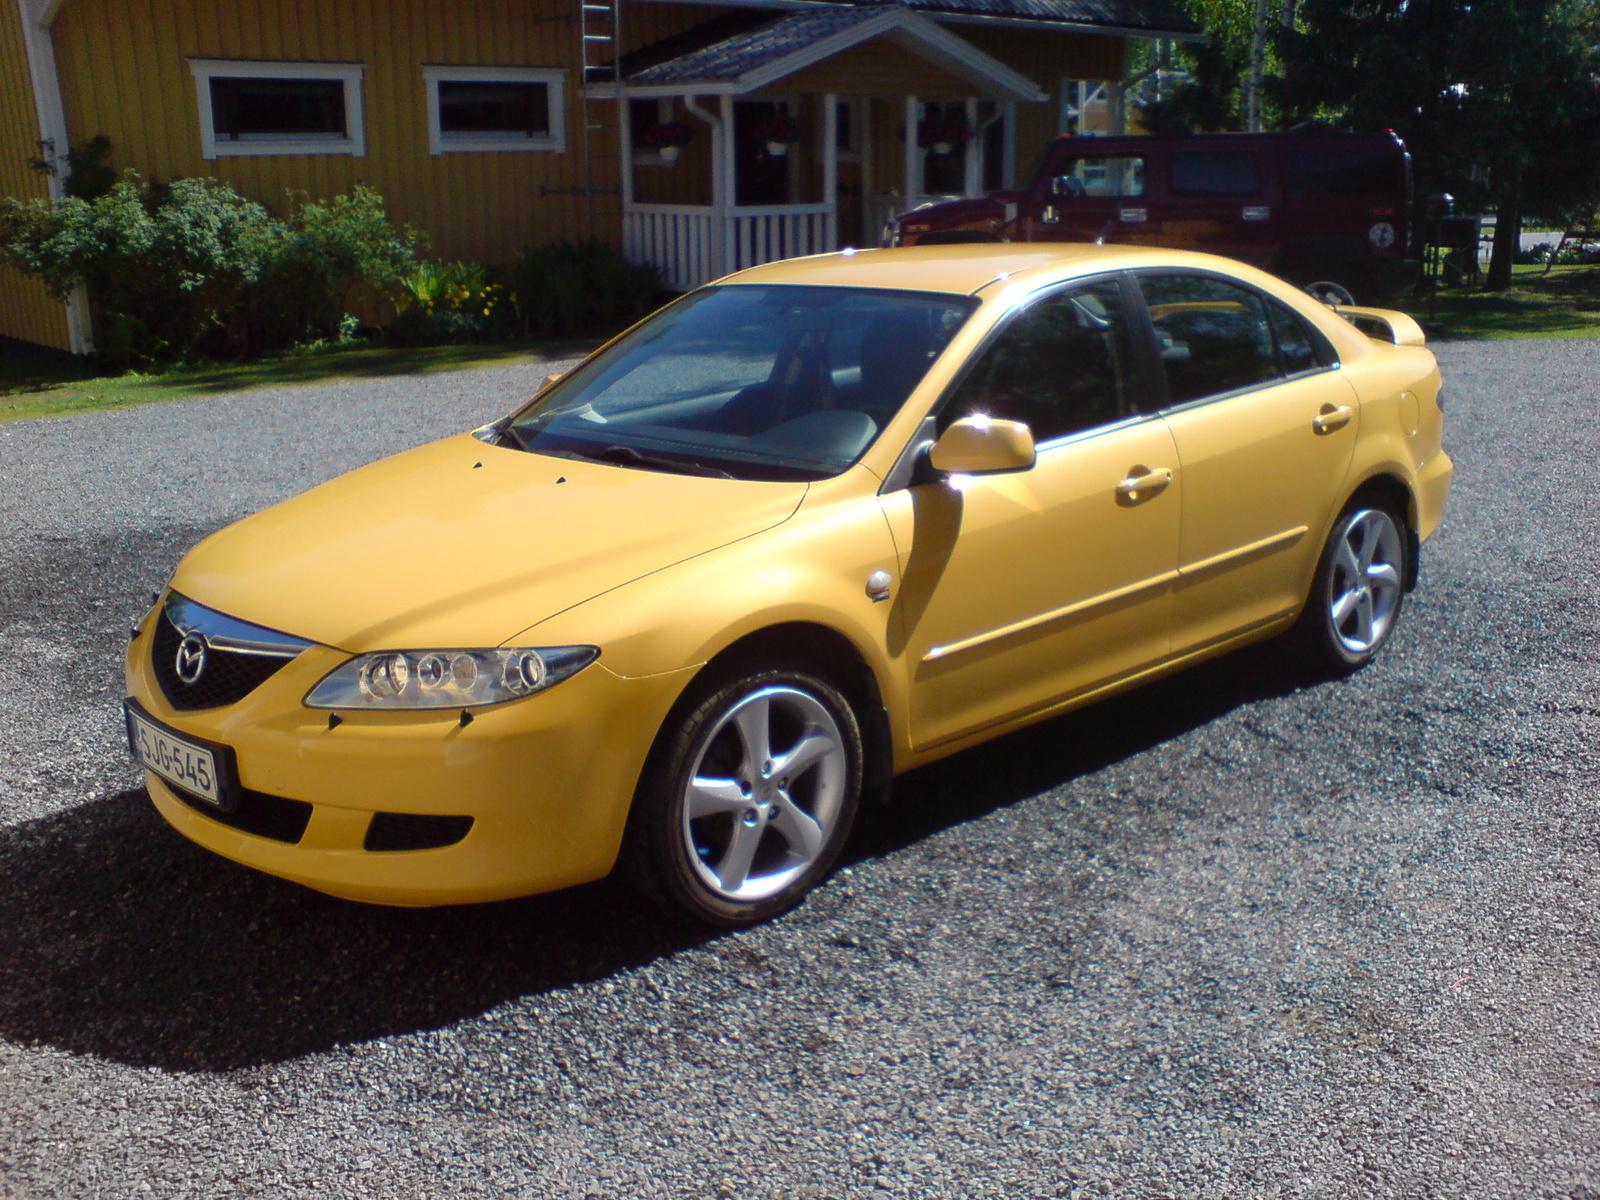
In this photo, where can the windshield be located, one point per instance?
(748, 382)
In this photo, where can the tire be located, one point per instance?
(1333, 283)
(1359, 587)
(747, 799)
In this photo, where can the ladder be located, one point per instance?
(600, 53)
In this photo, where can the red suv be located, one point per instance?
(1329, 211)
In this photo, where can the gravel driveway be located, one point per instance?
(1241, 934)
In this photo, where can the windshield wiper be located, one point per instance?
(628, 456)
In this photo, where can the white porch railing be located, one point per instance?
(692, 244)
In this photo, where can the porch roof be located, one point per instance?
(743, 52)
(1131, 18)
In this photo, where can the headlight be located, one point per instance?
(447, 678)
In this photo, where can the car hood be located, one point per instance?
(953, 214)
(459, 543)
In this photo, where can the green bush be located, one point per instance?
(450, 302)
(580, 287)
(192, 269)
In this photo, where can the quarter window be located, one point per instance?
(252, 108)
(1199, 173)
(495, 108)
(1062, 365)
(1213, 337)
(1297, 351)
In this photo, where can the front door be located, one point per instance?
(1094, 197)
(1023, 589)
(762, 163)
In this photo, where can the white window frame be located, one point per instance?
(555, 81)
(353, 143)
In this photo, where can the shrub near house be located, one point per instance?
(192, 269)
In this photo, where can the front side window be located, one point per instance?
(1201, 173)
(252, 108)
(1062, 365)
(495, 109)
(1212, 336)
(747, 382)
(1112, 175)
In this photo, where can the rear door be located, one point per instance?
(1265, 429)
(1221, 200)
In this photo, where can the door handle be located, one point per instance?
(1332, 417)
(1142, 483)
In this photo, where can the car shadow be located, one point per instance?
(120, 939)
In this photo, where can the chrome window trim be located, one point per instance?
(1137, 273)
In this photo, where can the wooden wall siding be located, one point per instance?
(26, 310)
(1046, 58)
(125, 73)
(876, 68)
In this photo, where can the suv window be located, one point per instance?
(1213, 336)
(1215, 173)
(1333, 170)
(1063, 364)
(1110, 175)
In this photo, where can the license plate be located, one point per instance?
(202, 770)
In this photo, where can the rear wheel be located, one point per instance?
(1359, 587)
(1333, 282)
(748, 798)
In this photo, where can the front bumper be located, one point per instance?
(546, 780)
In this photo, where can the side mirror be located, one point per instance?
(983, 446)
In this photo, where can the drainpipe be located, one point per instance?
(719, 189)
(37, 17)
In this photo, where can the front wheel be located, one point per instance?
(748, 798)
(1359, 587)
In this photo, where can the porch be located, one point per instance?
(750, 149)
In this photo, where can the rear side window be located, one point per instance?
(1334, 170)
(1215, 173)
(1213, 337)
(1063, 364)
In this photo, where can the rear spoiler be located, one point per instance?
(1383, 324)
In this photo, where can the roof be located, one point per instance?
(959, 270)
(1146, 16)
(743, 51)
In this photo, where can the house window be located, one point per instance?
(278, 107)
(476, 109)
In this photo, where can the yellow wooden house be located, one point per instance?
(699, 137)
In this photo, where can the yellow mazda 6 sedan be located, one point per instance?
(804, 529)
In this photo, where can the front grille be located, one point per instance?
(275, 817)
(229, 674)
(414, 831)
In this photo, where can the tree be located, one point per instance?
(1497, 99)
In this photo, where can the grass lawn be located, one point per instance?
(1564, 303)
(36, 383)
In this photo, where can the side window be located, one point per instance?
(1213, 336)
(1215, 173)
(1063, 364)
(1107, 176)
(1297, 350)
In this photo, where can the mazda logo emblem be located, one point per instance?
(190, 661)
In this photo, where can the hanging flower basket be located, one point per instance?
(942, 137)
(667, 139)
(778, 132)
